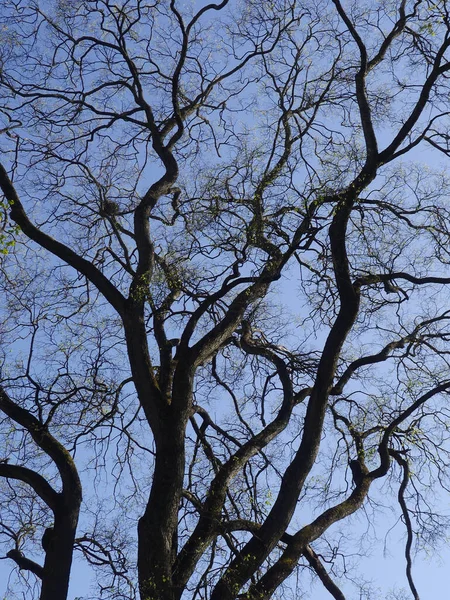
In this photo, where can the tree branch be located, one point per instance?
(45, 441)
(322, 574)
(58, 249)
(25, 563)
(39, 484)
(401, 498)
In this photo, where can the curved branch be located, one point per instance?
(384, 353)
(401, 498)
(312, 558)
(202, 350)
(50, 445)
(360, 86)
(259, 547)
(299, 542)
(383, 449)
(83, 266)
(322, 574)
(25, 563)
(388, 153)
(388, 277)
(209, 522)
(39, 484)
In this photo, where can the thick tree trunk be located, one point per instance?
(58, 544)
(157, 529)
(167, 408)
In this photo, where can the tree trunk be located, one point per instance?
(158, 526)
(59, 543)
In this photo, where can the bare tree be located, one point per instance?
(224, 283)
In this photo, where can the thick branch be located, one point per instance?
(25, 563)
(45, 441)
(322, 573)
(259, 547)
(205, 348)
(360, 85)
(40, 485)
(389, 153)
(312, 558)
(383, 448)
(83, 266)
(387, 277)
(299, 542)
(209, 522)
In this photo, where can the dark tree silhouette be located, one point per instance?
(224, 277)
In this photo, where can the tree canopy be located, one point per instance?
(224, 283)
